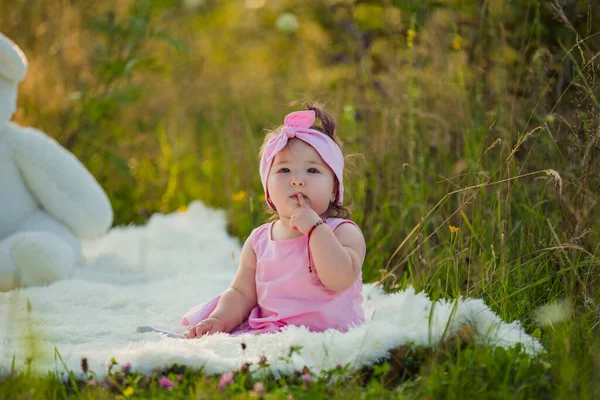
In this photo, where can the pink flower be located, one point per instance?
(225, 380)
(126, 368)
(165, 383)
(92, 382)
(180, 378)
(258, 390)
(307, 377)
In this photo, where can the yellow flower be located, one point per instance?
(453, 229)
(410, 36)
(129, 391)
(457, 42)
(239, 196)
(182, 209)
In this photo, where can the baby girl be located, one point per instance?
(304, 266)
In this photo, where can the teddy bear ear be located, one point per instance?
(13, 63)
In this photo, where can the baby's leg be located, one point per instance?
(199, 312)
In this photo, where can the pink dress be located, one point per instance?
(287, 293)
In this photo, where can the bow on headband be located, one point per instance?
(297, 124)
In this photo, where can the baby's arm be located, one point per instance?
(338, 255)
(236, 302)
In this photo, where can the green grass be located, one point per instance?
(455, 369)
(460, 123)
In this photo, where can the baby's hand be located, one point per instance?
(208, 325)
(303, 217)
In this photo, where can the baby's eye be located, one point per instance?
(282, 170)
(316, 171)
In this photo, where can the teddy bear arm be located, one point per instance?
(60, 182)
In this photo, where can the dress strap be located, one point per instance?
(340, 221)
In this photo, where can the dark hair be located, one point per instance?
(328, 127)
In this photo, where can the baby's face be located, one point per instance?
(299, 168)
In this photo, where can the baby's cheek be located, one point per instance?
(276, 179)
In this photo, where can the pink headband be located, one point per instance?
(297, 124)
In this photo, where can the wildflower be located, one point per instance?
(128, 391)
(410, 37)
(180, 378)
(226, 380)
(457, 42)
(182, 209)
(258, 390)
(453, 229)
(113, 362)
(307, 377)
(239, 196)
(165, 383)
(126, 368)
(245, 367)
(92, 382)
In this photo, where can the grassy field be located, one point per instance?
(473, 130)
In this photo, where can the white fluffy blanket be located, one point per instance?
(152, 274)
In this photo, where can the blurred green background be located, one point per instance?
(475, 129)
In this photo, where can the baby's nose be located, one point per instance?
(297, 182)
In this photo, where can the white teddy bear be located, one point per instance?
(48, 199)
